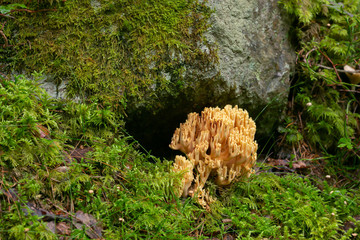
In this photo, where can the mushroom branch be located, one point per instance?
(218, 142)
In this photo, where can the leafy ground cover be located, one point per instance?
(67, 173)
(323, 112)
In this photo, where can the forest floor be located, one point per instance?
(61, 183)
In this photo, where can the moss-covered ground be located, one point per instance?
(68, 171)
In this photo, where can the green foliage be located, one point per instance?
(23, 106)
(329, 121)
(131, 193)
(110, 50)
(325, 107)
(26, 110)
(38, 170)
(5, 9)
(305, 10)
(291, 131)
(290, 207)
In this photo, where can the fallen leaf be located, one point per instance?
(62, 169)
(277, 162)
(227, 220)
(93, 230)
(349, 225)
(299, 165)
(40, 212)
(51, 226)
(63, 228)
(227, 236)
(41, 132)
(79, 153)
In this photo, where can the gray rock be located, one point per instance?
(53, 89)
(255, 55)
(47, 82)
(255, 63)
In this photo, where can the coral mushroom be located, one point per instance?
(219, 142)
(182, 164)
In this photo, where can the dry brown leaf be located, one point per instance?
(63, 228)
(277, 162)
(227, 220)
(42, 132)
(93, 229)
(299, 165)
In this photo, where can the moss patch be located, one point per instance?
(109, 50)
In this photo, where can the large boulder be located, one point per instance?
(255, 56)
(253, 71)
(153, 57)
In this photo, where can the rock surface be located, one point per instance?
(255, 55)
(255, 63)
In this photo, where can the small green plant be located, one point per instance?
(291, 131)
(325, 107)
(24, 107)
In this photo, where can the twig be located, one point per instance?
(33, 11)
(4, 75)
(26, 10)
(307, 54)
(336, 71)
(4, 15)
(69, 155)
(348, 90)
(3, 35)
(339, 70)
(297, 56)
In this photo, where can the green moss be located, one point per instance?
(109, 49)
(130, 193)
(288, 207)
(37, 129)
